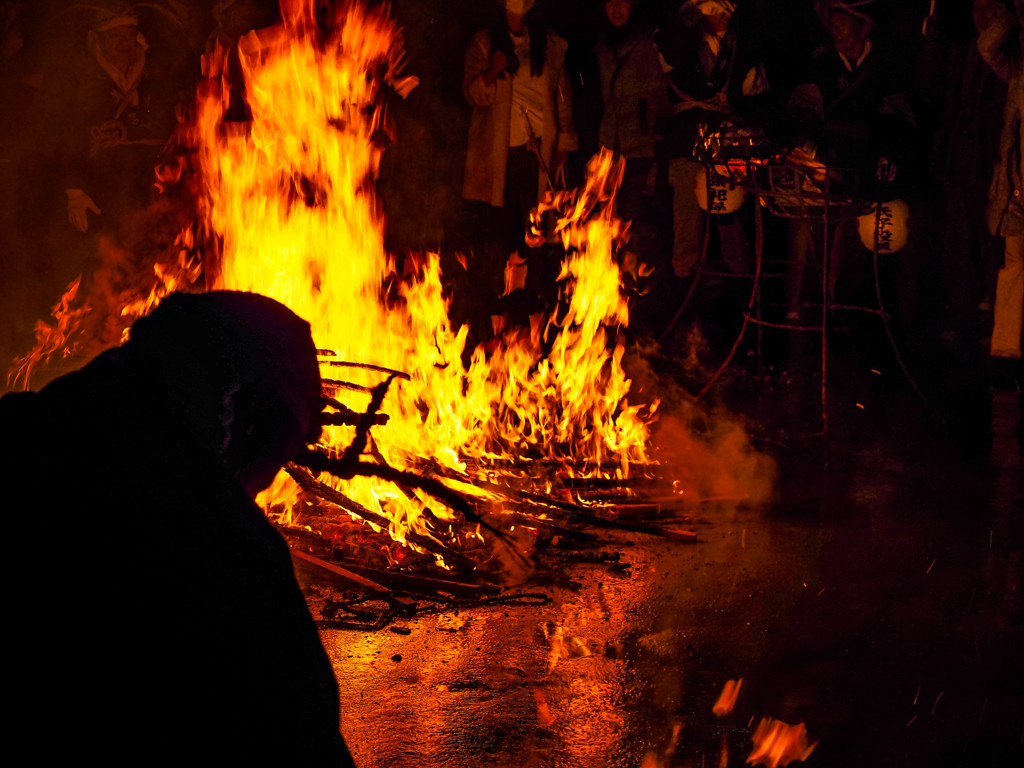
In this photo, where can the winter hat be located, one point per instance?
(859, 9)
(113, 14)
(519, 7)
(711, 7)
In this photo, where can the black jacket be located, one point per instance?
(154, 611)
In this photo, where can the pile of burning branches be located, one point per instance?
(496, 517)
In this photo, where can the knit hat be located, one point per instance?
(108, 15)
(711, 7)
(520, 7)
(860, 9)
(212, 343)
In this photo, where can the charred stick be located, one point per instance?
(426, 512)
(302, 476)
(587, 517)
(345, 469)
(558, 464)
(525, 514)
(346, 385)
(676, 501)
(627, 509)
(576, 512)
(595, 484)
(409, 582)
(358, 444)
(407, 605)
(349, 418)
(369, 367)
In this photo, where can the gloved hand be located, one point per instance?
(79, 204)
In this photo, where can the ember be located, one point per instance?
(777, 743)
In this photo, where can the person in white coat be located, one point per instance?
(521, 129)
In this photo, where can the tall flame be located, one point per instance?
(288, 197)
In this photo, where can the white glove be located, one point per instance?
(79, 204)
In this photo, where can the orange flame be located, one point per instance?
(778, 743)
(288, 196)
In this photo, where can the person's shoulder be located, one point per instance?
(557, 41)
(481, 37)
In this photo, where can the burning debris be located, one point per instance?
(459, 466)
(442, 456)
(777, 743)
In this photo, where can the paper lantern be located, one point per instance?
(724, 197)
(889, 221)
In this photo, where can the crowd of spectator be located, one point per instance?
(905, 97)
(519, 94)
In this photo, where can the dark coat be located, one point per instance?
(1000, 46)
(855, 117)
(634, 95)
(154, 613)
(699, 78)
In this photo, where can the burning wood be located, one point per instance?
(402, 602)
(544, 431)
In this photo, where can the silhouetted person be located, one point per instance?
(713, 76)
(156, 614)
(634, 96)
(965, 148)
(852, 113)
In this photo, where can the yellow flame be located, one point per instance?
(286, 207)
(289, 197)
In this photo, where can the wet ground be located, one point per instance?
(878, 602)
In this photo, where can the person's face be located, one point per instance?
(618, 11)
(287, 424)
(718, 21)
(848, 33)
(119, 44)
(985, 13)
(517, 7)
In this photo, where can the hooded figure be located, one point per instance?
(158, 616)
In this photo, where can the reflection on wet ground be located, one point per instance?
(879, 603)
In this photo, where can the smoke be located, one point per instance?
(703, 447)
(709, 454)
